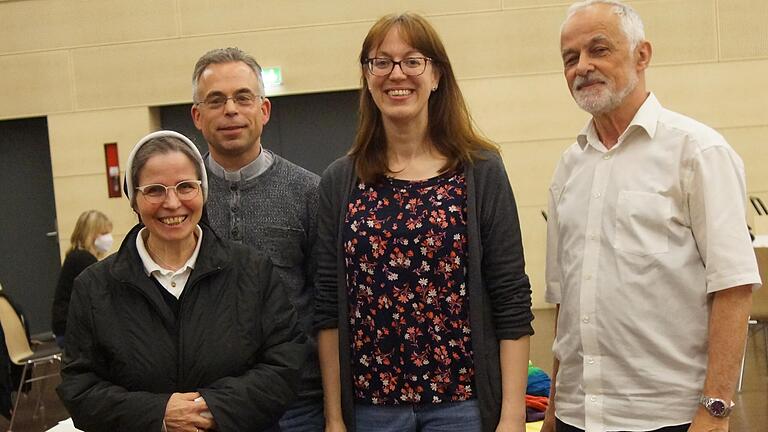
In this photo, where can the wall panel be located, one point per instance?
(54, 24)
(34, 84)
(719, 94)
(204, 16)
(156, 73)
(743, 29)
(502, 43)
(77, 155)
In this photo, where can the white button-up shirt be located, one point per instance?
(173, 281)
(637, 238)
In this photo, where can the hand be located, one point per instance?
(704, 422)
(335, 426)
(182, 414)
(549, 421)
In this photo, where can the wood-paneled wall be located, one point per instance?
(97, 67)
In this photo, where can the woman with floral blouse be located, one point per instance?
(423, 304)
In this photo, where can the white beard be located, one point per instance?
(603, 98)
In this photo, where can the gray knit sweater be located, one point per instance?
(275, 213)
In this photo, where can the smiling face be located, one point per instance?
(172, 221)
(600, 67)
(233, 132)
(400, 97)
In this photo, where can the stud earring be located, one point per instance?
(434, 88)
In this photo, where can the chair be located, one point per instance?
(21, 354)
(758, 315)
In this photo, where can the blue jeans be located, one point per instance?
(445, 417)
(302, 416)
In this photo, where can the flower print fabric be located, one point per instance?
(405, 247)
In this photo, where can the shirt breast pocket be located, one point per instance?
(284, 245)
(642, 223)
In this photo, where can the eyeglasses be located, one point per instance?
(382, 66)
(157, 193)
(217, 101)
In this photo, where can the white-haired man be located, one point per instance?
(648, 256)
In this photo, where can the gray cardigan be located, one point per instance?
(499, 290)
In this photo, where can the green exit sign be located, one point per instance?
(272, 76)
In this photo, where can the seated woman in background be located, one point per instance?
(179, 330)
(423, 302)
(90, 241)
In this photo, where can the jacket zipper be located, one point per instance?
(179, 320)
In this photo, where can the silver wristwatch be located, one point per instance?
(716, 407)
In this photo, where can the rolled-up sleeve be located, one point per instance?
(717, 206)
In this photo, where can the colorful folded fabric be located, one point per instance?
(538, 381)
(532, 415)
(539, 403)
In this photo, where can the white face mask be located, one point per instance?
(103, 243)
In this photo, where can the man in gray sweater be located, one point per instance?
(258, 198)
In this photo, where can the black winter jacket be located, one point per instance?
(236, 341)
(75, 262)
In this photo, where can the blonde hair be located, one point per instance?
(90, 225)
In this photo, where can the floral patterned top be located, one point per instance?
(405, 247)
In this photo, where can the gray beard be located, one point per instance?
(606, 101)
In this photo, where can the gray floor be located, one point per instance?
(750, 415)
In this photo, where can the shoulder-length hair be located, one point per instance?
(450, 126)
(89, 225)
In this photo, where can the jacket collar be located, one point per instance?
(127, 266)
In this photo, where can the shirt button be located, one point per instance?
(586, 318)
(596, 195)
(606, 157)
(593, 398)
(173, 284)
(590, 360)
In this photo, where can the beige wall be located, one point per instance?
(94, 68)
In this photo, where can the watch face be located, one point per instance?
(717, 408)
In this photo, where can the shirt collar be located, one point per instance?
(150, 266)
(252, 170)
(646, 118)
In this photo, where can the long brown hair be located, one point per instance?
(450, 126)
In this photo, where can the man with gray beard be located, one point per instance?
(648, 256)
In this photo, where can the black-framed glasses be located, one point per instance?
(411, 66)
(156, 193)
(218, 100)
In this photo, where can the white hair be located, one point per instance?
(629, 21)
